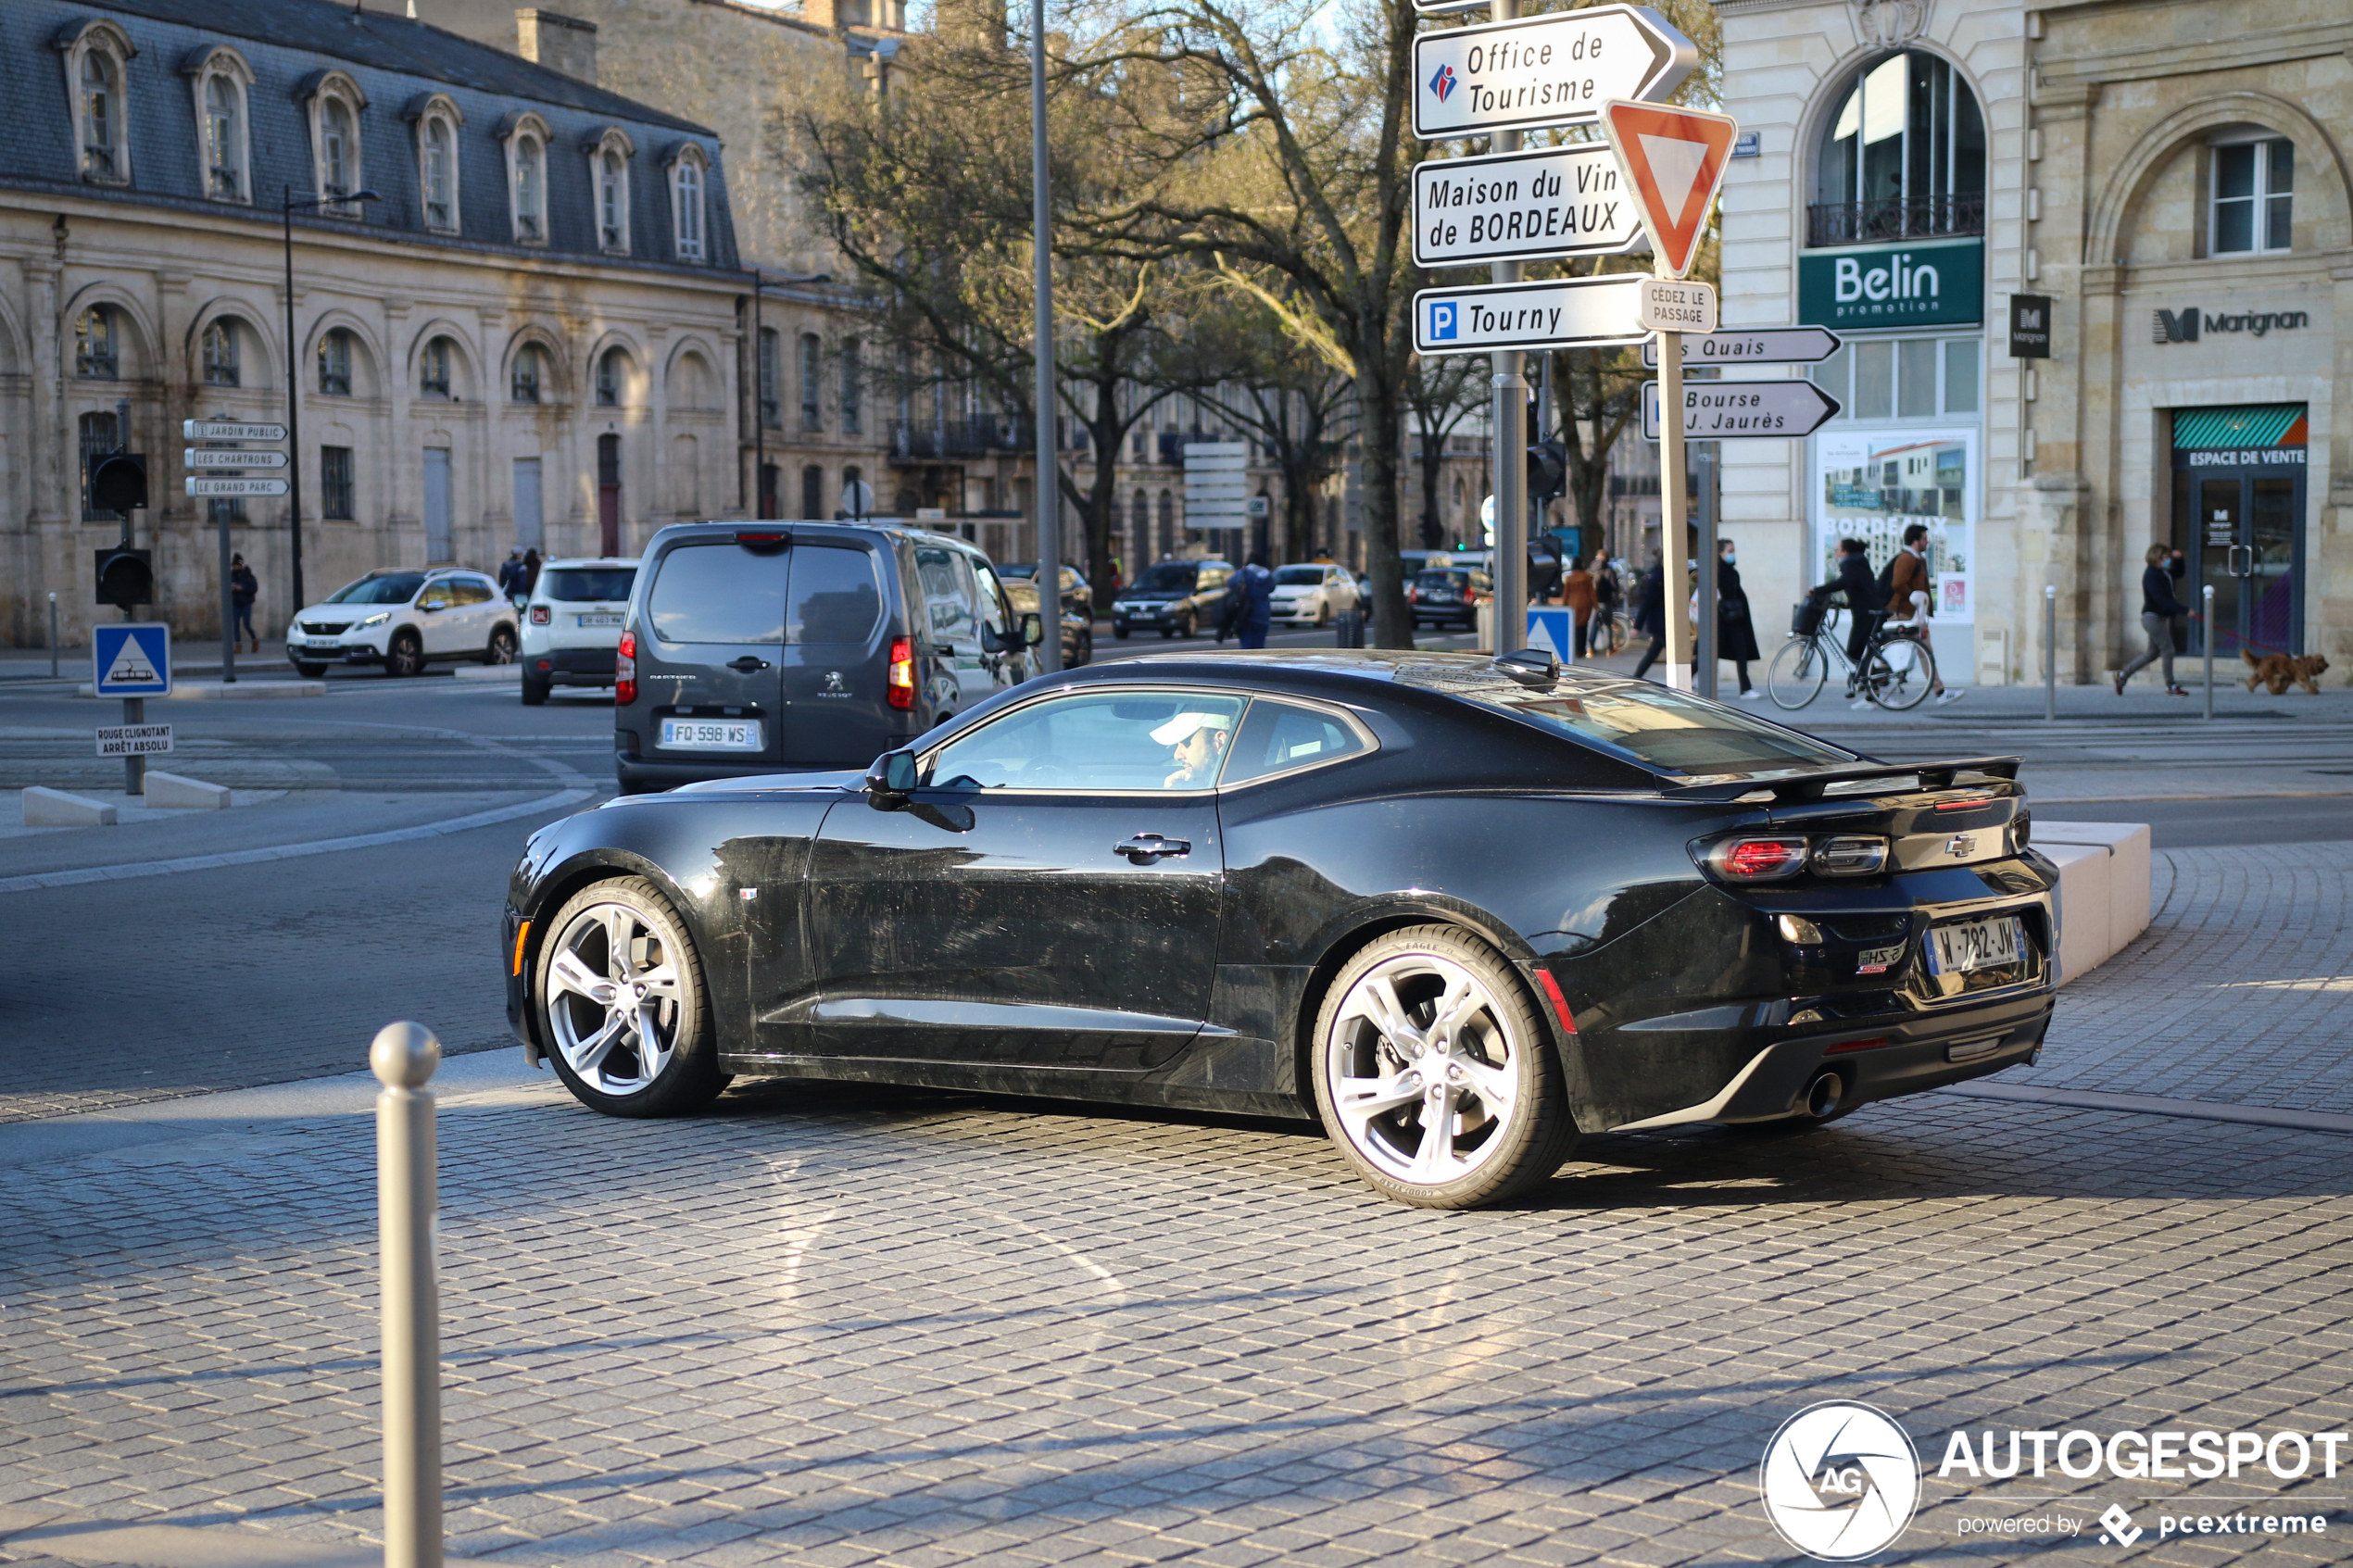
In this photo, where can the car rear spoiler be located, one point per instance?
(1801, 787)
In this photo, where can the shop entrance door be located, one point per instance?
(2239, 518)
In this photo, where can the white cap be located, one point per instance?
(1181, 728)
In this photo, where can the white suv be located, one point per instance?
(1313, 593)
(572, 625)
(403, 620)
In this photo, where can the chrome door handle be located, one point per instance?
(747, 665)
(1146, 847)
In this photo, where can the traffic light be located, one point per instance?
(1547, 470)
(119, 482)
(1432, 535)
(125, 578)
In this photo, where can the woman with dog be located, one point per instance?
(2158, 606)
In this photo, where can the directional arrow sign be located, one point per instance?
(1563, 313)
(1674, 162)
(225, 457)
(231, 485)
(1554, 69)
(1518, 206)
(1760, 346)
(1733, 410)
(230, 429)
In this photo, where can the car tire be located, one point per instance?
(404, 656)
(1373, 1043)
(1119, 633)
(535, 693)
(502, 646)
(602, 1051)
(1324, 618)
(1085, 654)
(1189, 626)
(310, 671)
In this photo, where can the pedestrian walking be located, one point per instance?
(511, 574)
(2158, 606)
(1735, 633)
(1650, 615)
(1578, 593)
(530, 571)
(1602, 630)
(244, 588)
(1912, 599)
(1863, 603)
(1255, 608)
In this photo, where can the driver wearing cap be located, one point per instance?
(1199, 744)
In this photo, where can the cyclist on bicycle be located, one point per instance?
(1911, 596)
(1863, 604)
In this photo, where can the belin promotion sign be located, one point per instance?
(1935, 283)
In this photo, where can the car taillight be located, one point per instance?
(1470, 595)
(901, 684)
(1758, 860)
(624, 671)
(539, 615)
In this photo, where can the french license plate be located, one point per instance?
(1975, 945)
(607, 620)
(710, 735)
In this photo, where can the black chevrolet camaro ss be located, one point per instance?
(1459, 909)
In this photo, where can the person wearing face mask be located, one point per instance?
(1735, 633)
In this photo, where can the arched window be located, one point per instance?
(433, 368)
(101, 117)
(1902, 158)
(220, 353)
(334, 364)
(338, 167)
(853, 375)
(687, 204)
(2254, 186)
(224, 136)
(94, 357)
(438, 174)
(522, 387)
(342, 150)
(612, 370)
(527, 179)
(609, 157)
(812, 412)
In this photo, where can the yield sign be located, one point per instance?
(1673, 160)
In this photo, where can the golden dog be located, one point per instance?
(2280, 671)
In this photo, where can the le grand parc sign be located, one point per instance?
(1917, 283)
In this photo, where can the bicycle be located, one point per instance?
(1898, 672)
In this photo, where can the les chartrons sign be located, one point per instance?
(1918, 283)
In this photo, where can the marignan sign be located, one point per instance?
(1554, 69)
(1731, 410)
(1522, 207)
(1561, 313)
(1757, 345)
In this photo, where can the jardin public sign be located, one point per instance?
(1921, 283)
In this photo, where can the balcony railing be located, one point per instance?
(1917, 218)
(958, 438)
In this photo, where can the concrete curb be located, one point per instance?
(488, 672)
(46, 807)
(242, 690)
(176, 792)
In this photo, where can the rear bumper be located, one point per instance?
(1874, 1062)
(570, 667)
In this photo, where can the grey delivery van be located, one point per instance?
(766, 648)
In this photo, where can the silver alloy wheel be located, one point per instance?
(613, 999)
(1420, 1068)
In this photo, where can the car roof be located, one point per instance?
(570, 562)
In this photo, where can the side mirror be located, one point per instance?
(1032, 629)
(994, 641)
(890, 780)
(430, 605)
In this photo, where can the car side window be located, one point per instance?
(465, 590)
(992, 599)
(948, 608)
(1279, 737)
(1095, 741)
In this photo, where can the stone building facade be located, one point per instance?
(530, 337)
(2160, 187)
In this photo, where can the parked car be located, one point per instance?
(1176, 598)
(1447, 596)
(572, 625)
(1078, 632)
(402, 621)
(1311, 594)
(752, 647)
(1267, 883)
(1077, 594)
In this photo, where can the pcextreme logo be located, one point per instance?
(1841, 1481)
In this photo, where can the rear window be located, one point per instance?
(1298, 576)
(835, 596)
(719, 593)
(1169, 577)
(587, 584)
(1666, 731)
(1457, 580)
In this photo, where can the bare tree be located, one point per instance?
(1441, 393)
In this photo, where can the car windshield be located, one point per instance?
(379, 588)
(587, 584)
(1169, 577)
(1457, 580)
(1668, 731)
(1025, 569)
(1298, 576)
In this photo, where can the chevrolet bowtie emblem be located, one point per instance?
(1961, 844)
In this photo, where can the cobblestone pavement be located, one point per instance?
(842, 1327)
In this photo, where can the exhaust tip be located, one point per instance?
(1824, 1094)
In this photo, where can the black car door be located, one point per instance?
(1049, 899)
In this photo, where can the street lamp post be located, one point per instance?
(294, 383)
(759, 402)
(1046, 492)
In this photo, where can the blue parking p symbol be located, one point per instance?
(1442, 320)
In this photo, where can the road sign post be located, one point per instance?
(217, 485)
(1508, 566)
(132, 660)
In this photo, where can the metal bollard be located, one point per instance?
(2050, 650)
(2207, 622)
(52, 636)
(404, 1056)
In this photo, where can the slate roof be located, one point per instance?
(395, 61)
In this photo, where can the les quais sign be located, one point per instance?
(1919, 283)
